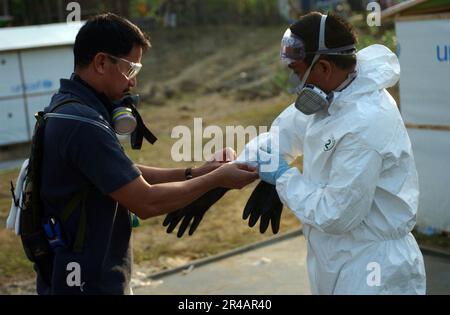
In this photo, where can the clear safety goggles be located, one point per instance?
(133, 67)
(293, 48)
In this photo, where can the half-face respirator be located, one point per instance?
(127, 121)
(311, 99)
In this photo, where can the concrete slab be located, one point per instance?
(279, 268)
(437, 268)
(276, 266)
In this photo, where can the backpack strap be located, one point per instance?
(82, 119)
(52, 114)
(40, 116)
(79, 198)
(65, 102)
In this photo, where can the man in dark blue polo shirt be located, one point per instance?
(79, 154)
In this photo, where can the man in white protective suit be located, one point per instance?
(358, 194)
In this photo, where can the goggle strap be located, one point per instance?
(344, 50)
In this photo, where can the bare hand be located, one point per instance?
(235, 176)
(222, 156)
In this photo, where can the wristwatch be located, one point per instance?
(188, 173)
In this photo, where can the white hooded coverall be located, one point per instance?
(358, 194)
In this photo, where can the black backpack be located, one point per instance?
(40, 234)
(36, 241)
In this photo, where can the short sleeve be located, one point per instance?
(99, 156)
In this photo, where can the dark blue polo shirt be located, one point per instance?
(77, 154)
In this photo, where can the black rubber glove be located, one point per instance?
(193, 212)
(264, 203)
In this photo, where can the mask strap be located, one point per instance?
(351, 76)
(141, 131)
(305, 77)
(317, 55)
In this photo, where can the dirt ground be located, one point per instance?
(227, 75)
(222, 228)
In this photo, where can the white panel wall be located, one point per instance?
(13, 127)
(424, 54)
(432, 154)
(36, 104)
(42, 70)
(44, 67)
(10, 83)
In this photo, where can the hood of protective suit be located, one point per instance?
(378, 68)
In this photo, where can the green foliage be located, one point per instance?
(198, 12)
(388, 38)
(144, 8)
(189, 12)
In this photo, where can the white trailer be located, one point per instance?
(32, 61)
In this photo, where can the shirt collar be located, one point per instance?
(88, 95)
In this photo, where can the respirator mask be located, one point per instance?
(127, 121)
(311, 99)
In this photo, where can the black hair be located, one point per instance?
(108, 33)
(338, 33)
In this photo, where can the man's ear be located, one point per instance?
(99, 63)
(325, 68)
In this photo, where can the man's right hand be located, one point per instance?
(235, 176)
(147, 200)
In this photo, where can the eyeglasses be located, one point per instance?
(133, 69)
